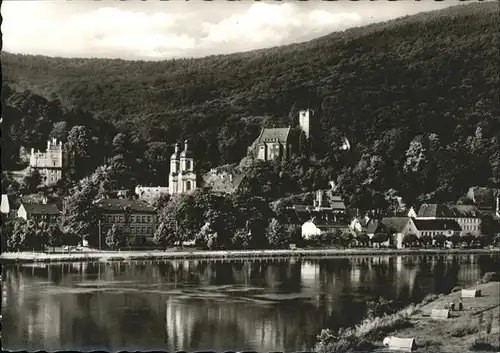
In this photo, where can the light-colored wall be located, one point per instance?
(21, 213)
(309, 229)
(140, 224)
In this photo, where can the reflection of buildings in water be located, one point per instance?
(49, 316)
(267, 332)
(405, 276)
(309, 275)
(355, 276)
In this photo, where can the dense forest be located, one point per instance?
(417, 97)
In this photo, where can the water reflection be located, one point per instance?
(193, 305)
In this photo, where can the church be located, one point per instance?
(182, 178)
(274, 143)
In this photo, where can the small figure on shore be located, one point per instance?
(452, 306)
(460, 305)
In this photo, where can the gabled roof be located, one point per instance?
(41, 209)
(371, 226)
(325, 224)
(395, 224)
(223, 184)
(446, 211)
(437, 224)
(274, 134)
(119, 205)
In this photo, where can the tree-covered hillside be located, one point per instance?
(417, 97)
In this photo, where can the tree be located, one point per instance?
(439, 240)
(163, 237)
(426, 240)
(346, 239)
(54, 235)
(60, 131)
(379, 238)
(241, 239)
(363, 239)
(276, 235)
(455, 239)
(80, 148)
(410, 240)
(468, 238)
(31, 181)
(114, 237)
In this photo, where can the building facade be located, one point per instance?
(51, 164)
(467, 216)
(182, 178)
(135, 218)
(38, 212)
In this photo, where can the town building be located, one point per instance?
(151, 193)
(397, 228)
(467, 216)
(182, 178)
(433, 227)
(135, 218)
(9, 206)
(225, 182)
(38, 212)
(51, 164)
(316, 227)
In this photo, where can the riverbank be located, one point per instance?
(474, 329)
(27, 257)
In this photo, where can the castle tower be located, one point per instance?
(173, 177)
(304, 121)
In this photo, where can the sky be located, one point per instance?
(158, 30)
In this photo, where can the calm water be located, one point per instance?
(194, 305)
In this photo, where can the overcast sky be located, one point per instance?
(153, 30)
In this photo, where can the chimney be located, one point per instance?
(48, 145)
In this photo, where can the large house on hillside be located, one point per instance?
(225, 182)
(467, 216)
(51, 164)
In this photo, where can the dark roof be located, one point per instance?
(119, 205)
(41, 209)
(371, 226)
(274, 134)
(446, 211)
(337, 203)
(324, 224)
(437, 224)
(395, 224)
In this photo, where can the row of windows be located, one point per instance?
(140, 230)
(470, 220)
(432, 233)
(471, 228)
(132, 219)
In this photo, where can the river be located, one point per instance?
(264, 305)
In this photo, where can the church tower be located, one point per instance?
(182, 178)
(173, 177)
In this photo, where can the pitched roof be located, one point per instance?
(41, 209)
(446, 211)
(336, 202)
(395, 224)
(437, 224)
(274, 134)
(119, 205)
(371, 226)
(324, 224)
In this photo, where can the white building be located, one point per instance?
(182, 178)
(51, 163)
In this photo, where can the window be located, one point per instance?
(115, 219)
(188, 165)
(188, 185)
(143, 230)
(149, 230)
(122, 219)
(143, 219)
(149, 219)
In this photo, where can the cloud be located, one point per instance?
(153, 30)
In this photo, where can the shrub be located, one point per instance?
(463, 328)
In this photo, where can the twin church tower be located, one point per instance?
(182, 178)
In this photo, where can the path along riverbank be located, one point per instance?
(474, 329)
(27, 257)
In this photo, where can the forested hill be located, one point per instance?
(424, 86)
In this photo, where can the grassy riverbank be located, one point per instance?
(221, 255)
(475, 329)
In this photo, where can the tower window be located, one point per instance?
(188, 165)
(188, 185)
